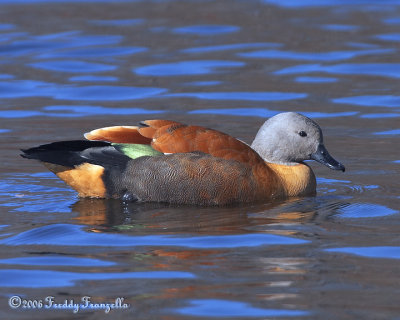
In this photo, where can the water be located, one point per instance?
(68, 67)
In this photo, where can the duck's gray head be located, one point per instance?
(289, 138)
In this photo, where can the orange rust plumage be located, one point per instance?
(118, 134)
(86, 178)
(173, 137)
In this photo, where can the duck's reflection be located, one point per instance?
(156, 217)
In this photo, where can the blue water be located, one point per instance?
(371, 101)
(69, 67)
(20, 278)
(370, 252)
(250, 96)
(312, 56)
(184, 68)
(72, 66)
(390, 70)
(226, 47)
(206, 30)
(233, 309)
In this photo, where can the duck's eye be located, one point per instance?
(303, 134)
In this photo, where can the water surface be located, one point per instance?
(69, 67)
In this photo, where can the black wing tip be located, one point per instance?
(71, 145)
(143, 123)
(66, 153)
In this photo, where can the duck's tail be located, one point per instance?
(81, 164)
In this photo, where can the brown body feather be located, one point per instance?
(198, 178)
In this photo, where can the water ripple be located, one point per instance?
(365, 210)
(247, 96)
(93, 52)
(90, 78)
(74, 235)
(217, 308)
(316, 79)
(203, 83)
(233, 46)
(29, 88)
(40, 278)
(6, 26)
(74, 111)
(323, 3)
(206, 30)
(389, 37)
(82, 111)
(72, 66)
(51, 42)
(266, 113)
(119, 22)
(380, 115)
(371, 101)
(195, 67)
(104, 93)
(391, 70)
(389, 132)
(340, 27)
(57, 260)
(312, 56)
(392, 21)
(24, 193)
(370, 252)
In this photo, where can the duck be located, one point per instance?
(170, 162)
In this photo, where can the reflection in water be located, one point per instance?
(153, 217)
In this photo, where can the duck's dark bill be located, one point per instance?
(322, 156)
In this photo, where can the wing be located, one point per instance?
(118, 134)
(173, 137)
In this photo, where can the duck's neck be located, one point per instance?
(297, 179)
